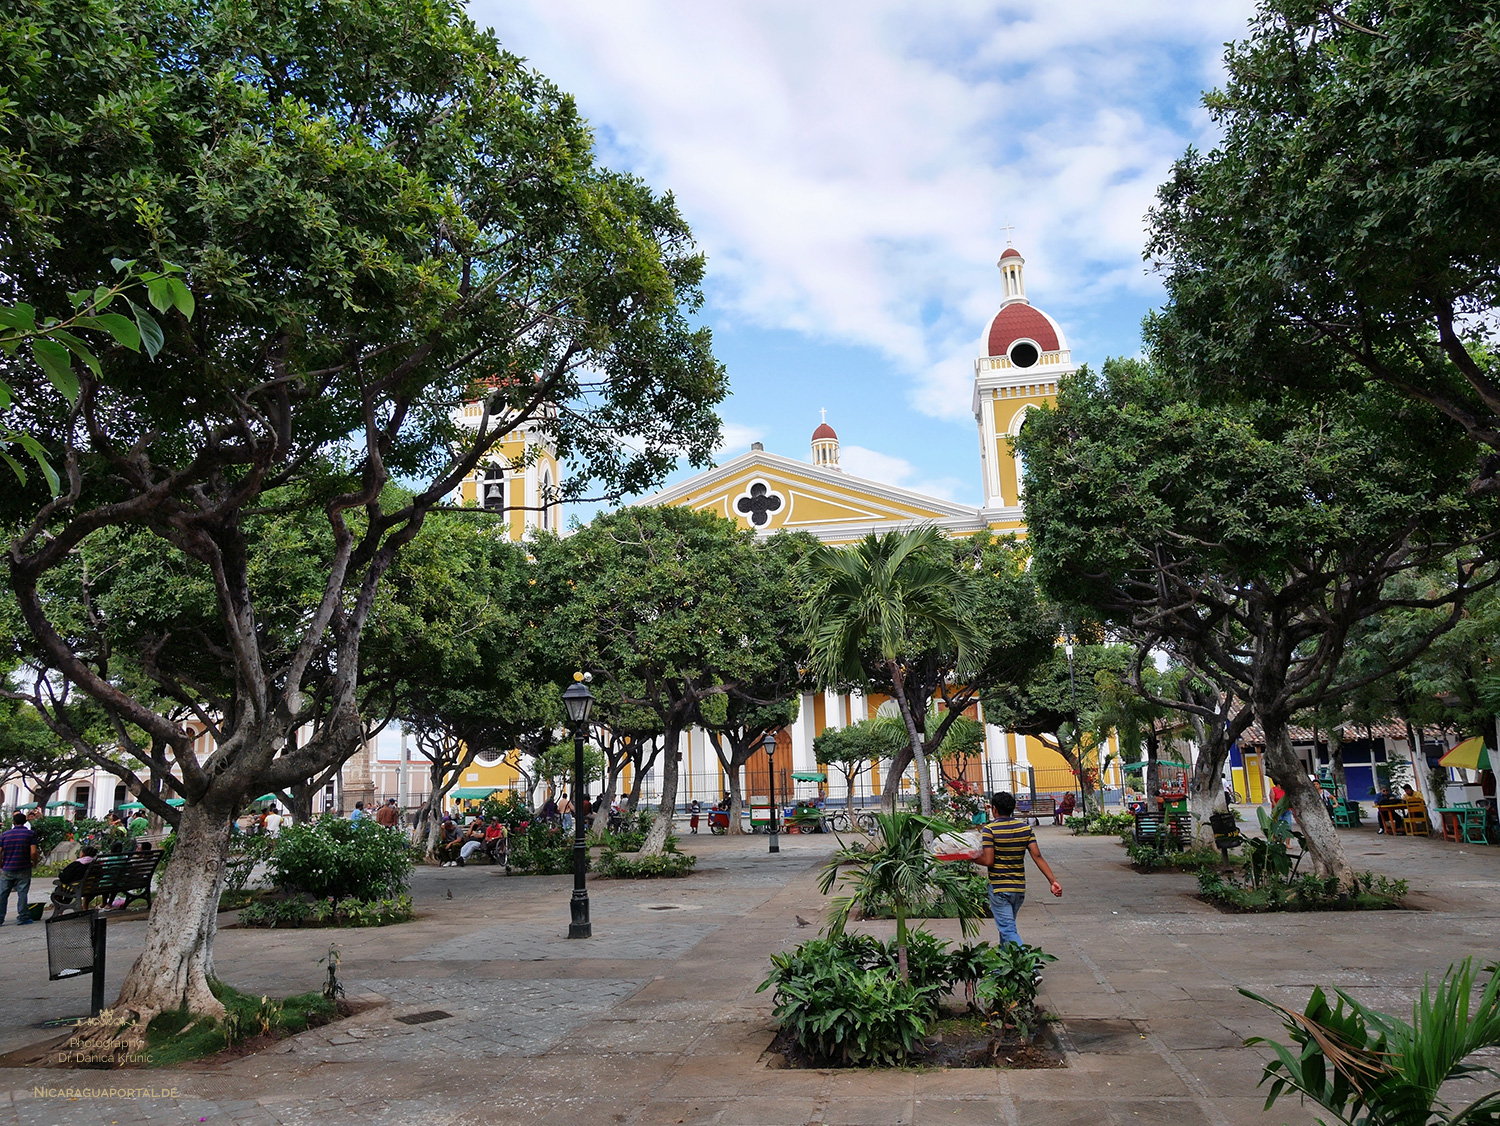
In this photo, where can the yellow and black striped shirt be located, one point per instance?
(1010, 838)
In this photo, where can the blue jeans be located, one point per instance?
(1005, 906)
(21, 881)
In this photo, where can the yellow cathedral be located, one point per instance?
(1022, 354)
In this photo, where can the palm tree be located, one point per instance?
(901, 871)
(1374, 1069)
(889, 599)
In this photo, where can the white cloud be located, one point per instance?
(848, 165)
(735, 439)
(873, 465)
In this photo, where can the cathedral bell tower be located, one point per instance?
(1022, 355)
(825, 446)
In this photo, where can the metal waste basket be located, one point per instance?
(75, 946)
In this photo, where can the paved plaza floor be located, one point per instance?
(656, 1020)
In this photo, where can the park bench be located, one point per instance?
(1036, 808)
(111, 877)
(1160, 830)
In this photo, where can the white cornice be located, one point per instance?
(836, 482)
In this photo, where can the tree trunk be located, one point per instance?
(176, 961)
(736, 802)
(1423, 776)
(607, 798)
(1206, 783)
(656, 840)
(299, 800)
(1306, 803)
(892, 788)
(632, 803)
(918, 756)
(849, 777)
(1336, 761)
(1153, 778)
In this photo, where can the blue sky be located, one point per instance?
(848, 166)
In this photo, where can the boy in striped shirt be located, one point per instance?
(1004, 844)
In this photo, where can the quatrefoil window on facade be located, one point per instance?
(758, 502)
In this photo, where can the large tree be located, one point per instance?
(925, 620)
(1347, 225)
(675, 605)
(381, 215)
(1252, 538)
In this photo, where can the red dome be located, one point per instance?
(1010, 252)
(1020, 320)
(824, 431)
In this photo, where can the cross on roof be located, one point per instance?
(1007, 227)
(824, 412)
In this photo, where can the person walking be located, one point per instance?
(386, 816)
(565, 811)
(1004, 843)
(19, 853)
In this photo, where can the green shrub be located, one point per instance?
(327, 912)
(332, 858)
(839, 1010)
(50, 832)
(510, 810)
(629, 866)
(1101, 824)
(1371, 892)
(540, 849)
(1149, 859)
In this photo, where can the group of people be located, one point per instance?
(457, 843)
(21, 852)
(559, 811)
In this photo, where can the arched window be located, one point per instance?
(546, 500)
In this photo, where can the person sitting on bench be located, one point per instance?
(66, 889)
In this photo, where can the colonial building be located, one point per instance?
(1022, 354)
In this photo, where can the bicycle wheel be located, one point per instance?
(866, 821)
(838, 822)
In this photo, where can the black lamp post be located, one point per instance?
(769, 743)
(1077, 735)
(578, 700)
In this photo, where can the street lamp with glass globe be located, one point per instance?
(578, 700)
(769, 743)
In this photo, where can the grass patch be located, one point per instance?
(175, 1038)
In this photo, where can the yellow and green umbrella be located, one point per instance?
(1471, 754)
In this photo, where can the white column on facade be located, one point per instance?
(859, 707)
(802, 735)
(997, 752)
(833, 709)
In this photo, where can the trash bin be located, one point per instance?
(75, 946)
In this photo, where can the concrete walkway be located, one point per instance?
(656, 1019)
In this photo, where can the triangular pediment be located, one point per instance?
(770, 493)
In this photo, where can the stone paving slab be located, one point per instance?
(656, 1020)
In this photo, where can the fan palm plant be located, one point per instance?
(1373, 1069)
(899, 870)
(889, 599)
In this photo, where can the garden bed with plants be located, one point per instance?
(842, 1002)
(1100, 824)
(326, 873)
(851, 1000)
(1237, 895)
(173, 1039)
